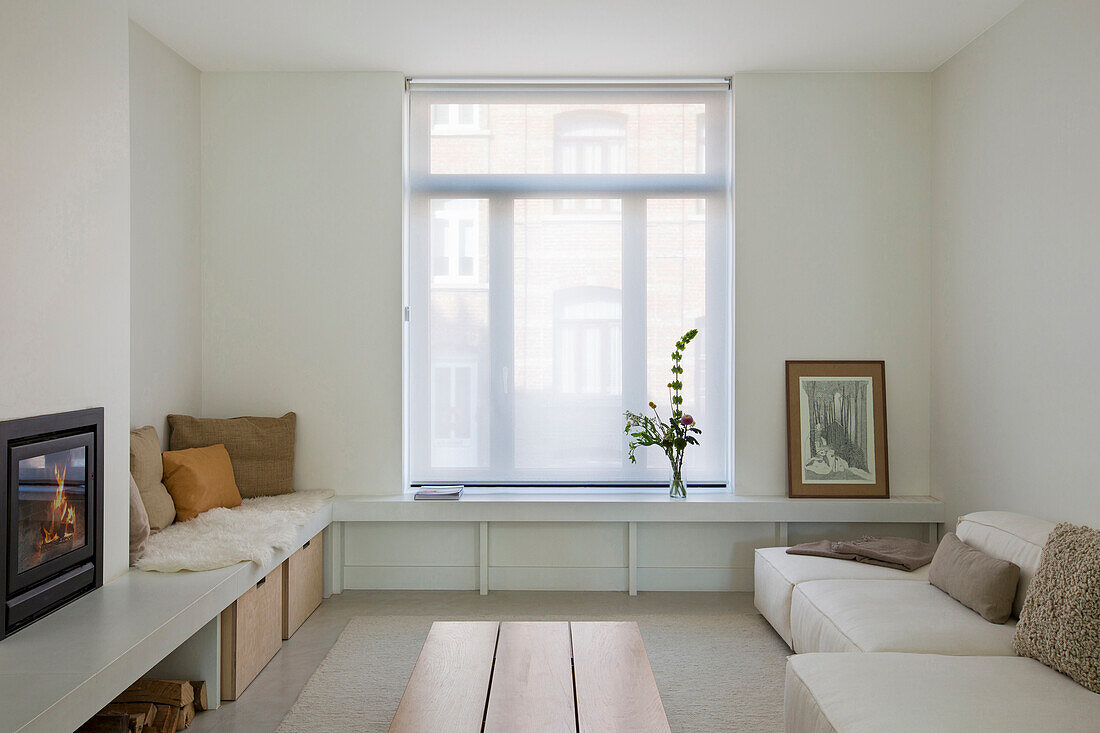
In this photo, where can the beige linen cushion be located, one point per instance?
(139, 523)
(261, 448)
(1060, 622)
(976, 580)
(148, 472)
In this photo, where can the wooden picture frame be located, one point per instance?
(836, 430)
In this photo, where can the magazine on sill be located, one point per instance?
(438, 492)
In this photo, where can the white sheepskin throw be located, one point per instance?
(219, 538)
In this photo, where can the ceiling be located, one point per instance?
(568, 37)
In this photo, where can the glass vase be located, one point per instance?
(677, 489)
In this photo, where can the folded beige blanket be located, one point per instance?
(889, 552)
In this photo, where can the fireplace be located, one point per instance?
(51, 519)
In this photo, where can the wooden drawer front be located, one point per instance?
(303, 585)
(251, 634)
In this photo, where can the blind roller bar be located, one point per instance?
(568, 85)
(534, 185)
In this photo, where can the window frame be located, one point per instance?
(501, 190)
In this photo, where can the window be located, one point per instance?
(457, 119)
(589, 142)
(459, 240)
(560, 239)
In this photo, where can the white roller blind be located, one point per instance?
(561, 239)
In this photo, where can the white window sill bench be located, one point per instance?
(628, 508)
(713, 506)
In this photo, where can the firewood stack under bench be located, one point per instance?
(151, 706)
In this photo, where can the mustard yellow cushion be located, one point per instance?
(200, 479)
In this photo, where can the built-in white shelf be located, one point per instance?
(487, 508)
(60, 671)
(634, 507)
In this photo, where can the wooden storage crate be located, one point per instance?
(303, 584)
(251, 633)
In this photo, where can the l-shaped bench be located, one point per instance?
(59, 672)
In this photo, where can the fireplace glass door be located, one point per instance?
(51, 524)
(52, 506)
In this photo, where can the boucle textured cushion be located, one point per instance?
(1060, 622)
(200, 479)
(148, 473)
(261, 448)
(978, 581)
(139, 523)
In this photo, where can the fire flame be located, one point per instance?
(62, 516)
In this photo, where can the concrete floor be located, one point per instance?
(268, 699)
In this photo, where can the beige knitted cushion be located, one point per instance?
(1060, 621)
(148, 472)
(261, 448)
(139, 523)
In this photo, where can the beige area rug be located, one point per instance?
(715, 672)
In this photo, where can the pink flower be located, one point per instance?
(687, 420)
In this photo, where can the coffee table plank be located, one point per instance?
(533, 680)
(615, 686)
(450, 681)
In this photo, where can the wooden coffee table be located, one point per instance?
(525, 676)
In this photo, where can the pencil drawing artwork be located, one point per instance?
(838, 431)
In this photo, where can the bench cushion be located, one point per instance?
(890, 616)
(776, 574)
(870, 693)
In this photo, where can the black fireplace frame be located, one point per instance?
(38, 591)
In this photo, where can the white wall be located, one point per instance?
(1015, 405)
(833, 209)
(165, 275)
(302, 217)
(65, 226)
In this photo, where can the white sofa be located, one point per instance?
(936, 665)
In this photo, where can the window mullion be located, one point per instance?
(502, 335)
(633, 317)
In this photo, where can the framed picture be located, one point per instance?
(836, 430)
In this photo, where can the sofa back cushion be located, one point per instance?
(1016, 538)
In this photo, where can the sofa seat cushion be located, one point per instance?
(890, 616)
(776, 574)
(870, 693)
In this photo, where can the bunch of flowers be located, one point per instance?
(671, 436)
